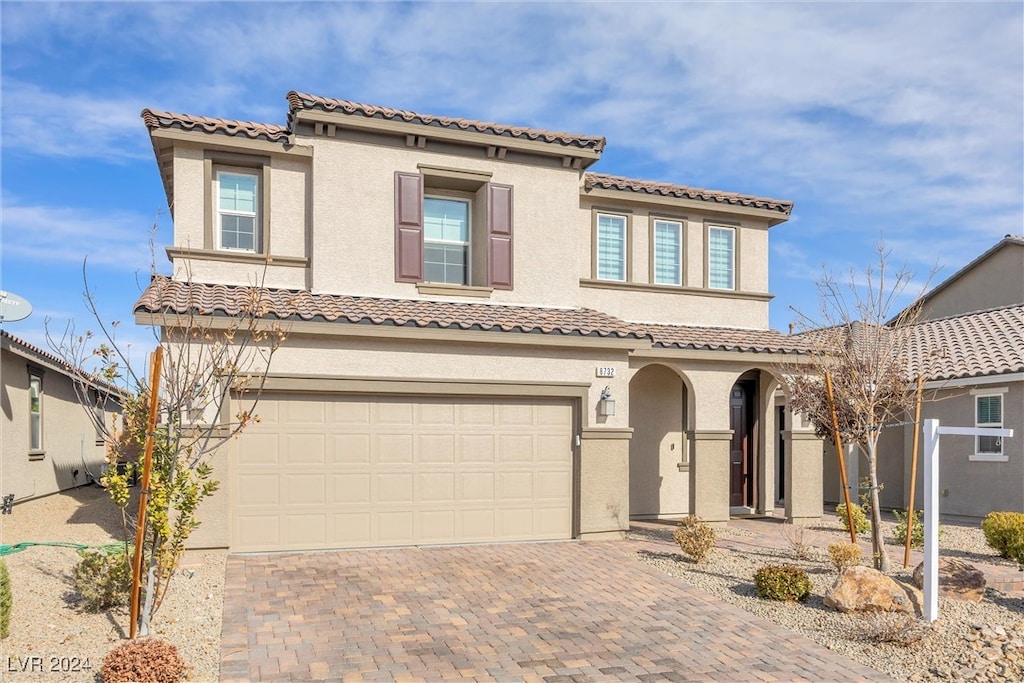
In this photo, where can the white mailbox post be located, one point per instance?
(932, 432)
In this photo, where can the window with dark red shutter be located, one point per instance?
(499, 236)
(408, 227)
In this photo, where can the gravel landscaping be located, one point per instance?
(52, 639)
(971, 641)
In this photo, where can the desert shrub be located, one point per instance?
(1004, 533)
(916, 533)
(695, 537)
(103, 579)
(861, 525)
(898, 628)
(782, 582)
(6, 600)
(147, 659)
(844, 555)
(800, 539)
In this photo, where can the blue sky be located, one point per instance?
(876, 119)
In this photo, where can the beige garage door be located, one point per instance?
(360, 471)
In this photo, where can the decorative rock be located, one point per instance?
(958, 580)
(863, 589)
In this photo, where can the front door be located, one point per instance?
(741, 449)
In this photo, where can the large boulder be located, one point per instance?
(863, 589)
(958, 580)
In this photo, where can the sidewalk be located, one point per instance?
(766, 532)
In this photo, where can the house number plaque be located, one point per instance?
(603, 371)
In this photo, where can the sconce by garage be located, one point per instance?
(606, 406)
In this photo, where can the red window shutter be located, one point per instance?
(499, 236)
(408, 227)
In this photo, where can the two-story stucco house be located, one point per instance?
(486, 341)
(969, 346)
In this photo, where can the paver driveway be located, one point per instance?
(540, 611)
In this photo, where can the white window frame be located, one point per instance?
(468, 244)
(989, 456)
(625, 246)
(255, 213)
(654, 249)
(35, 417)
(732, 262)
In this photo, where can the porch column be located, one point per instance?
(709, 474)
(604, 483)
(804, 480)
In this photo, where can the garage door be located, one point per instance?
(361, 471)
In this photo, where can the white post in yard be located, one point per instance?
(931, 520)
(932, 432)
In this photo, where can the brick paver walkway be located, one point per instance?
(572, 611)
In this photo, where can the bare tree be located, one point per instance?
(214, 370)
(861, 341)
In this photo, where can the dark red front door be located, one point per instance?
(741, 448)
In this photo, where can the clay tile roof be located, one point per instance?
(971, 345)
(302, 101)
(164, 295)
(610, 182)
(725, 339)
(204, 124)
(57, 362)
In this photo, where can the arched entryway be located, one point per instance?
(658, 465)
(743, 448)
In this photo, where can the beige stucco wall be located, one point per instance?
(604, 484)
(998, 281)
(658, 487)
(804, 455)
(69, 437)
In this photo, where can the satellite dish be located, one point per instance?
(13, 307)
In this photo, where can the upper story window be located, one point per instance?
(35, 412)
(611, 247)
(668, 252)
(989, 413)
(721, 258)
(446, 240)
(238, 202)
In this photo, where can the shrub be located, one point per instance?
(861, 525)
(844, 555)
(782, 582)
(6, 599)
(103, 580)
(916, 533)
(1004, 533)
(150, 660)
(800, 539)
(695, 537)
(898, 628)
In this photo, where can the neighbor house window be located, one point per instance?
(668, 252)
(722, 258)
(35, 412)
(237, 210)
(611, 247)
(446, 247)
(989, 413)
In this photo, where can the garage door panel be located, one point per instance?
(325, 471)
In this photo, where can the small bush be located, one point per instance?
(103, 580)
(844, 555)
(6, 600)
(898, 628)
(861, 525)
(800, 540)
(149, 660)
(1004, 533)
(782, 582)
(916, 533)
(695, 537)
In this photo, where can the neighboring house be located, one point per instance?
(969, 345)
(50, 442)
(486, 341)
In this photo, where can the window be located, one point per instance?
(989, 413)
(35, 412)
(237, 211)
(721, 258)
(446, 247)
(668, 252)
(611, 247)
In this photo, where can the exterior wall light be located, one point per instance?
(606, 406)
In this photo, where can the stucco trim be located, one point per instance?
(988, 457)
(237, 257)
(773, 217)
(800, 435)
(340, 329)
(301, 383)
(709, 434)
(759, 357)
(589, 433)
(974, 381)
(442, 289)
(672, 289)
(225, 142)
